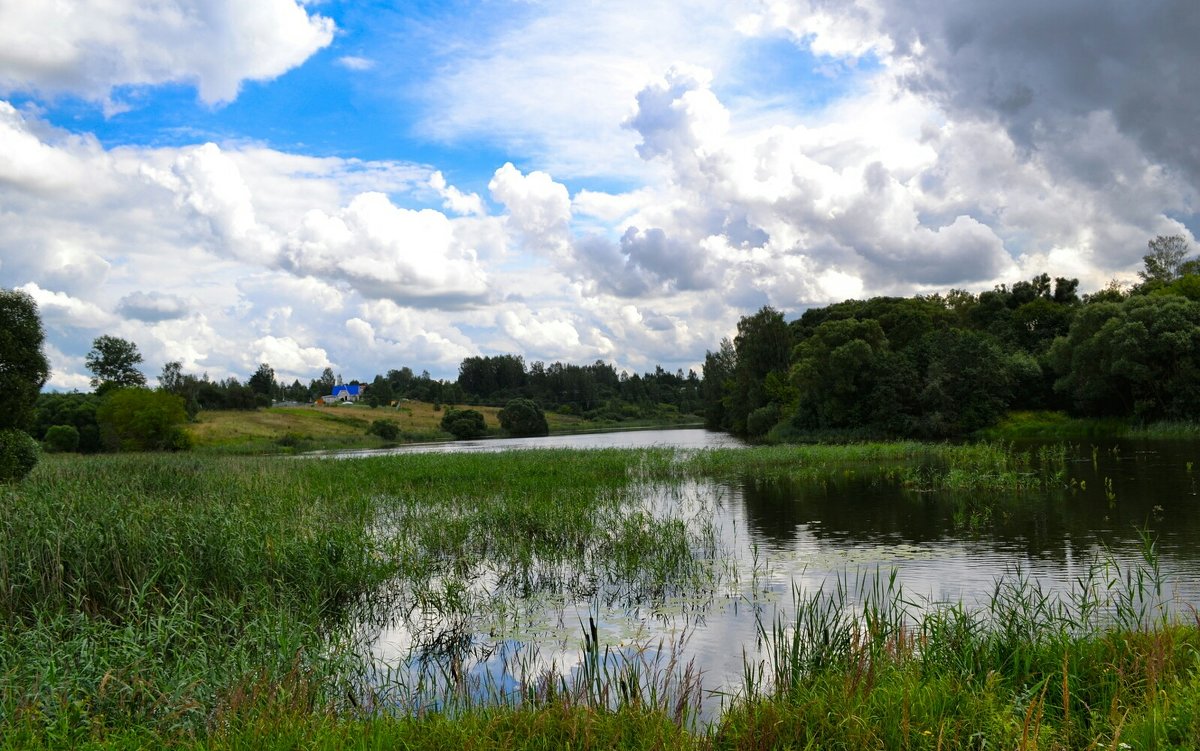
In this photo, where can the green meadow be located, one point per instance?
(207, 601)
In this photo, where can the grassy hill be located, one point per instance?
(308, 428)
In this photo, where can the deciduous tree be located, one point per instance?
(113, 362)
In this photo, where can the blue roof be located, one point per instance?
(351, 389)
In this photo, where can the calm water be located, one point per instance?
(685, 438)
(775, 537)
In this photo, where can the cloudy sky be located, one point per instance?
(365, 185)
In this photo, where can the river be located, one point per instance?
(779, 537)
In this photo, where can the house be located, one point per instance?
(346, 393)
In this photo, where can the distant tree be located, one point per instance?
(138, 419)
(174, 381)
(62, 438)
(379, 394)
(763, 345)
(262, 385)
(76, 410)
(1167, 255)
(23, 371)
(717, 383)
(523, 417)
(263, 381)
(464, 423)
(113, 362)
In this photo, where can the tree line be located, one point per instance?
(937, 366)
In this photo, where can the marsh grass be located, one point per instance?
(220, 602)
(1101, 664)
(1058, 426)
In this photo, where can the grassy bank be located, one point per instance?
(308, 428)
(207, 601)
(1058, 426)
(282, 430)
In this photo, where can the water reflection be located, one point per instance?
(763, 540)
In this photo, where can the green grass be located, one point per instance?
(1058, 426)
(205, 601)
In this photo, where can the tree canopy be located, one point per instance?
(113, 362)
(23, 366)
(23, 371)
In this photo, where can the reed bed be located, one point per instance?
(218, 602)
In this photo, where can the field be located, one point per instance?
(308, 428)
(209, 601)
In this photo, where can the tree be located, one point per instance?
(523, 417)
(138, 419)
(23, 371)
(62, 438)
(1166, 257)
(262, 383)
(113, 362)
(464, 423)
(763, 345)
(718, 382)
(23, 367)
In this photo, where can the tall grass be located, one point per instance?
(224, 602)
(1101, 665)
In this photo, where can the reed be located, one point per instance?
(207, 601)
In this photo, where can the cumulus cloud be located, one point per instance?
(60, 309)
(208, 184)
(454, 199)
(152, 306)
(539, 208)
(389, 252)
(91, 47)
(289, 359)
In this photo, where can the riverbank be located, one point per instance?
(203, 601)
(1058, 426)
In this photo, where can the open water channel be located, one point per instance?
(775, 538)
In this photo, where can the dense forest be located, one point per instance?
(946, 365)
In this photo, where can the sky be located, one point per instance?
(368, 185)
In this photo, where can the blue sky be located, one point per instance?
(369, 185)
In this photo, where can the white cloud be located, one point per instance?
(454, 199)
(386, 251)
(152, 306)
(60, 309)
(289, 359)
(539, 208)
(351, 62)
(91, 47)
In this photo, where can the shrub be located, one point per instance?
(464, 423)
(388, 430)
(60, 438)
(524, 417)
(761, 420)
(136, 419)
(18, 454)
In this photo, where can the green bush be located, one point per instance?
(18, 455)
(524, 417)
(136, 419)
(388, 430)
(761, 420)
(61, 438)
(464, 423)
